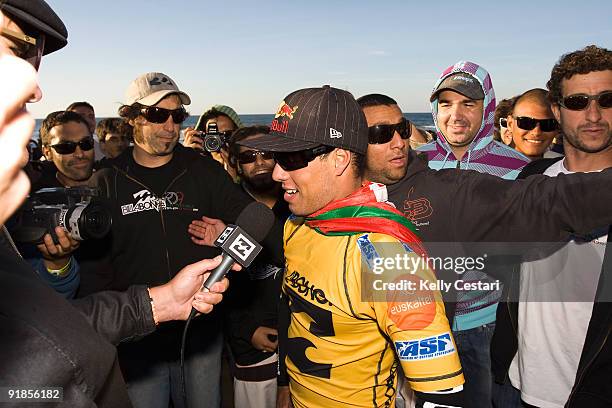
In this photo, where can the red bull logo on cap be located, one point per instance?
(285, 110)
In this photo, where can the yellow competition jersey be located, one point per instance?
(343, 351)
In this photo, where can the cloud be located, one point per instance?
(379, 53)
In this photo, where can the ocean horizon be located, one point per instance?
(420, 119)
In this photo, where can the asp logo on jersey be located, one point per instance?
(426, 348)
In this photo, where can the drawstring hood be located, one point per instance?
(484, 154)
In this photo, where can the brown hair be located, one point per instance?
(581, 62)
(113, 125)
(503, 110)
(58, 118)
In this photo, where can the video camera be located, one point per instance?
(76, 209)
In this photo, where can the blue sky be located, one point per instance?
(250, 54)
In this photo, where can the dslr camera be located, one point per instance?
(213, 139)
(77, 209)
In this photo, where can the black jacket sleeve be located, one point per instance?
(539, 208)
(118, 316)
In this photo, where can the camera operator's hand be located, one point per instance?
(205, 231)
(173, 300)
(261, 341)
(193, 138)
(56, 256)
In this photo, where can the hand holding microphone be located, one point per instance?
(239, 242)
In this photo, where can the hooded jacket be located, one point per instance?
(484, 154)
(465, 207)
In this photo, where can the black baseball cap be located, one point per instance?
(465, 84)
(39, 16)
(313, 117)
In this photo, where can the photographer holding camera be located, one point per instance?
(67, 144)
(212, 133)
(46, 341)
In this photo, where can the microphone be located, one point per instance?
(240, 242)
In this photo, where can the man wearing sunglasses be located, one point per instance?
(252, 318)
(341, 347)
(155, 189)
(562, 349)
(531, 124)
(68, 143)
(457, 206)
(46, 341)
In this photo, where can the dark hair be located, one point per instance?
(132, 111)
(581, 62)
(82, 104)
(113, 125)
(503, 109)
(208, 115)
(375, 100)
(241, 134)
(58, 118)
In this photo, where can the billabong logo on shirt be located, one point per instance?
(146, 201)
(425, 349)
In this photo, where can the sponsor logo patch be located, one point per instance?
(425, 349)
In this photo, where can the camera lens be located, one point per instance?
(95, 222)
(212, 143)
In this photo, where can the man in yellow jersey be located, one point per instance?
(343, 342)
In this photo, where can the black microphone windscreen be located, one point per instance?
(256, 219)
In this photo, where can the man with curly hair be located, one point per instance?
(562, 348)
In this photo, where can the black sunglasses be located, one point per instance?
(155, 114)
(381, 134)
(70, 147)
(580, 102)
(290, 161)
(527, 123)
(250, 156)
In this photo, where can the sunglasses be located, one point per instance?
(381, 134)
(527, 123)
(70, 147)
(580, 102)
(503, 122)
(155, 114)
(290, 161)
(250, 156)
(26, 47)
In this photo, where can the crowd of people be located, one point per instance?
(352, 184)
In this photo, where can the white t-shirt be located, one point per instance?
(557, 294)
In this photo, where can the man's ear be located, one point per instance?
(342, 160)
(556, 110)
(46, 150)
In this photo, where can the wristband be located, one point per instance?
(62, 270)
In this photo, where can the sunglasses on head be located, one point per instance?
(70, 147)
(290, 161)
(26, 47)
(250, 156)
(580, 102)
(527, 123)
(381, 134)
(155, 114)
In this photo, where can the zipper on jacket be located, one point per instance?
(581, 376)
